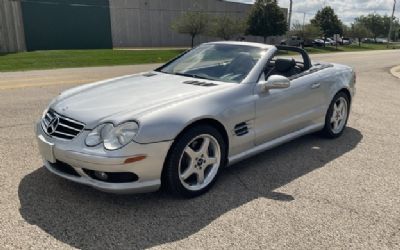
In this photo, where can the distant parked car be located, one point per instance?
(318, 42)
(308, 43)
(293, 41)
(381, 40)
(330, 41)
(375, 40)
(345, 41)
(368, 40)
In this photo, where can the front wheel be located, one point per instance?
(337, 116)
(194, 161)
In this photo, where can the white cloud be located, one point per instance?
(347, 10)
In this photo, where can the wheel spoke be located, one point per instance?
(200, 177)
(341, 106)
(188, 172)
(335, 108)
(343, 113)
(336, 124)
(190, 152)
(212, 160)
(204, 146)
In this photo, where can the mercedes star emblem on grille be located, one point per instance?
(51, 128)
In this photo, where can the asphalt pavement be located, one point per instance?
(311, 193)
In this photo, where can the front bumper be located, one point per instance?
(83, 159)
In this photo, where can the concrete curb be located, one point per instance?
(395, 71)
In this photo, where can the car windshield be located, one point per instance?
(220, 62)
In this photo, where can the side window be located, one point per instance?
(285, 63)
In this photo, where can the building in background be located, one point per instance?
(146, 23)
(66, 24)
(96, 24)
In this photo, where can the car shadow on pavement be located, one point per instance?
(88, 219)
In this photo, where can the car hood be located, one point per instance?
(129, 96)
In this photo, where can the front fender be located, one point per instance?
(229, 107)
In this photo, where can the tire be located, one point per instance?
(331, 128)
(191, 168)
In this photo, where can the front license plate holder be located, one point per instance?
(46, 149)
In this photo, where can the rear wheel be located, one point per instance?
(194, 161)
(337, 116)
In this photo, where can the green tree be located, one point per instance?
(328, 22)
(386, 24)
(346, 30)
(307, 32)
(226, 27)
(379, 25)
(266, 19)
(191, 23)
(375, 24)
(359, 31)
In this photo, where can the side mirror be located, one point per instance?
(275, 82)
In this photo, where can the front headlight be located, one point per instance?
(94, 138)
(112, 137)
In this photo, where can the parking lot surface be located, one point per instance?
(311, 193)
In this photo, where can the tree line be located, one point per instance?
(326, 24)
(267, 19)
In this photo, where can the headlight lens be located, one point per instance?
(94, 138)
(112, 137)
(117, 137)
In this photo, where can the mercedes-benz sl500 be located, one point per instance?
(178, 125)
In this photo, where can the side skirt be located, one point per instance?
(271, 144)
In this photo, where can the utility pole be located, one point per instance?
(391, 23)
(290, 15)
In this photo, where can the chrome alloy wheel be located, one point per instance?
(199, 162)
(339, 115)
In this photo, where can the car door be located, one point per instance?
(283, 111)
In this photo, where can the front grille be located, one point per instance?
(56, 125)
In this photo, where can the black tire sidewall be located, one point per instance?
(171, 167)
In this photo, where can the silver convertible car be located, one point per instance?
(178, 125)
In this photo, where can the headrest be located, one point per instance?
(284, 65)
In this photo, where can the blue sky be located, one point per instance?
(347, 10)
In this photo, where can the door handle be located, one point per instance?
(316, 85)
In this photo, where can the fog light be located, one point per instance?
(101, 175)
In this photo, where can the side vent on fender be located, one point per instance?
(198, 83)
(241, 129)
